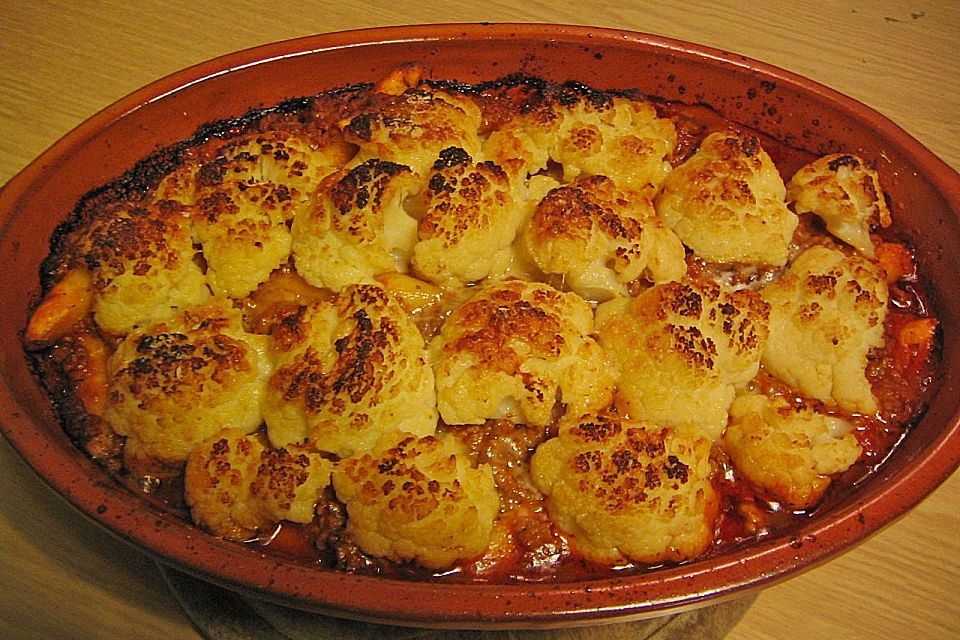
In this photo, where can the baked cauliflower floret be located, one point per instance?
(620, 138)
(236, 486)
(788, 450)
(359, 227)
(175, 383)
(276, 168)
(598, 238)
(826, 313)
(418, 500)
(628, 490)
(245, 199)
(589, 133)
(683, 349)
(241, 244)
(216, 484)
(347, 371)
(845, 192)
(140, 259)
(727, 203)
(513, 351)
(471, 218)
(289, 482)
(413, 127)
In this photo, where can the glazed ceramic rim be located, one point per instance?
(291, 583)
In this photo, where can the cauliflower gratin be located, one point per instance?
(510, 331)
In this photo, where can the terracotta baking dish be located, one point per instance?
(925, 195)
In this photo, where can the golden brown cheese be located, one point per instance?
(347, 372)
(236, 486)
(173, 384)
(598, 238)
(845, 192)
(513, 351)
(140, 259)
(289, 482)
(413, 127)
(589, 134)
(789, 451)
(470, 219)
(418, 499)
(826, 313)
(244, 200)
(727, 203)
(628, 490)
(683, 349)
(359, 228)
(217, 482)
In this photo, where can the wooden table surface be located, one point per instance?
(61, 61)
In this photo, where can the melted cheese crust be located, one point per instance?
(346, 372)
(513, 351)
(172, 385)
(418, 499)
(627, 490)
(727, 203)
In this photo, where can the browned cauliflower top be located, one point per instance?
(788, 450)
(412, 127)
(513, 351)
(244, 196)
(236, 486)
(358, 228)
(628, 490)
(683, 348)
(347, 371)
(418, 499)
(140, 258)
(471, 218)
(727, 203)
(845, 192)
(173, 384)
(217, 482)
(599, 238)
(588, 133)
(827, 313)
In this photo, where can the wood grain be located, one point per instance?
(60, 62)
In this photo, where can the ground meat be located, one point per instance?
(506, 447)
